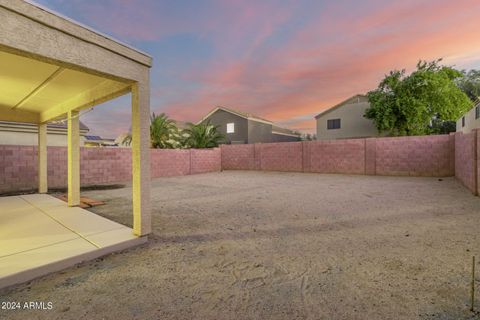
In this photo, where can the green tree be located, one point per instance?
(470, 84)
(203, 135)
(411, 104)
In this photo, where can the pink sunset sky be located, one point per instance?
(282, 60)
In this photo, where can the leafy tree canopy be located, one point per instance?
(410, 104)
(470, 84)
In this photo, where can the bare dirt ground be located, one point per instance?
(257, 245)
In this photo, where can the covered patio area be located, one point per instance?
(52, 68)
(39, 235)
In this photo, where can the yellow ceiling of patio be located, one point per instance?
(35, 91)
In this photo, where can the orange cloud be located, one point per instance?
(308, 73)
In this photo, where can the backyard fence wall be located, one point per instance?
(410, 156)
(441, 155)
(18, 165)
(467, 166)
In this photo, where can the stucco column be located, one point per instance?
(141, 158)
(42, 158)
(73, 158)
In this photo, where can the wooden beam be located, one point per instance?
(104, 92)
(42, 158)
(73, 137)
(39, 88)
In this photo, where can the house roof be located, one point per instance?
(242, 114)
(284, 131)
(81, 25)
(93, 138)
(249, 116)
(43, 80)
(353, 99)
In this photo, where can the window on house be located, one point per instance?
(231, 127)
(477, 112)
(333, 124)
(463, 121)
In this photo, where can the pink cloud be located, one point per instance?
(332, 51)
(308, 74)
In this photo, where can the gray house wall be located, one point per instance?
(221, 118)
(259, 132)
(247, 130)
(283, 138)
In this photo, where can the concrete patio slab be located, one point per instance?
(39, 234)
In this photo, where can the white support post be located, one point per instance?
(73, 158)
(141, 158)
(42, 158)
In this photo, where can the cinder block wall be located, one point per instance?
(442, 155)
(18, 165)
(402, 156)
(415, 156)
(167, 163)
(335, 156)
(205, 160)
(467, 157)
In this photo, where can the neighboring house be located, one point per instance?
(345, 120)
(26, 134)
(97, 141)
(240, 127)
(470, 120)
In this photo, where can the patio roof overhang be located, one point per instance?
(52, 67)
(40, 92)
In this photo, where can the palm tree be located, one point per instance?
(203, 135)
(163, 133)
(127, 139)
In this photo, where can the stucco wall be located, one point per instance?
(353, 123)
(470, 121)
(259, 132)
(284, 138)
(221, 118)
(31, 139)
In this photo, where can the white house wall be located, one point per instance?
(30, 139)
(352, 124)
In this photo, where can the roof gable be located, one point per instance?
(244, 115)
(354, 99)
(248, 116)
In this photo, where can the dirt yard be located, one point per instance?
(256, 245)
